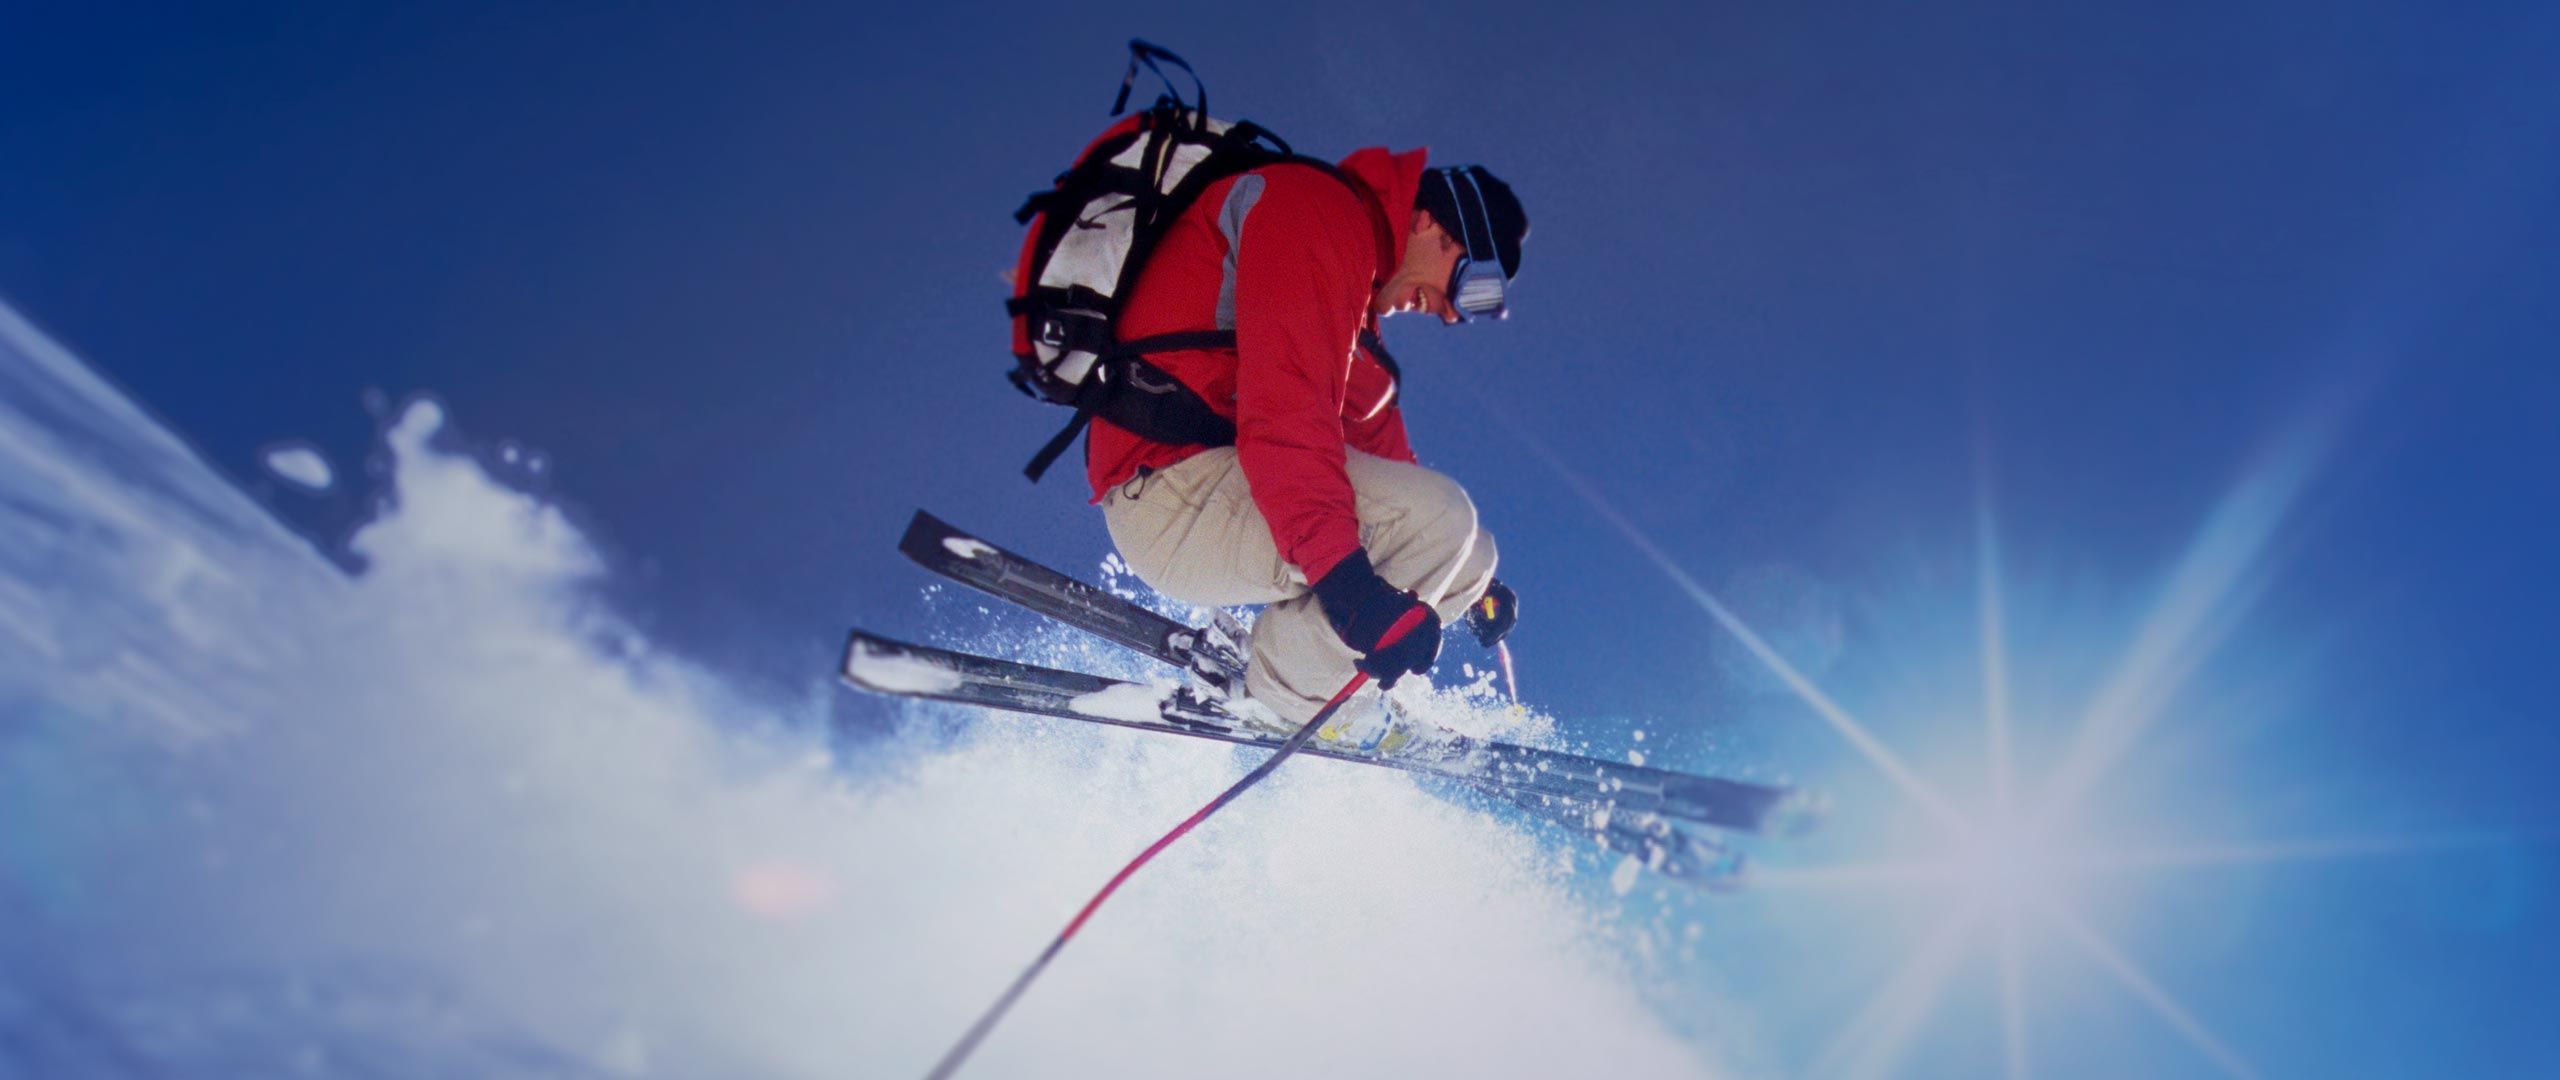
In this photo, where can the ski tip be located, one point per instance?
(933, 542)
(1795, 813)
(1697, 860)
(883, 666)
(1728, 873)
(924, 536)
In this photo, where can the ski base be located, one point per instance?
(882, 665)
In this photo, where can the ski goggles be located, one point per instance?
(1476, 285)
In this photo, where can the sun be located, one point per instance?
(2006, 867)
(2009, 868)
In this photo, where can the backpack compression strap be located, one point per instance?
(1150, 403)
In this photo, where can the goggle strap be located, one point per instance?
(1471, 215)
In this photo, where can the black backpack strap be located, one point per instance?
(1057, 445)
(1147, 401)
(1180, 341)
(1150, 402)
(1141, 52)
(1144, 399)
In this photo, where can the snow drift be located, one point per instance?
(453, 817)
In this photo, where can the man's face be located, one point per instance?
(1421, 281)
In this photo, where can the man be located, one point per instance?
(1320, 509)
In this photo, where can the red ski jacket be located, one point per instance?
(1286, 257)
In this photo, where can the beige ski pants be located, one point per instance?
(1193, 533)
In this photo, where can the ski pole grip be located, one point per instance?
(1396, 631)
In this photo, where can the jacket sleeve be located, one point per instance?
(1304, 256)
(1382, 434)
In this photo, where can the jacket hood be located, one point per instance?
(1393, 178)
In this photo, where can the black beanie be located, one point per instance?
(1510, 222)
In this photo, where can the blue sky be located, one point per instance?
(1800, 280)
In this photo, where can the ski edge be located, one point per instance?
(991, 568)
(883, 665)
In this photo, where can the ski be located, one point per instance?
(881, 665)
(1214, 653)
(1650, 839)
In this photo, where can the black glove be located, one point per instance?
(1365, 611)
(1493, 616)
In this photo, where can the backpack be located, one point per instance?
(1090, 235)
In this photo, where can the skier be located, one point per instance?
(1319, 509)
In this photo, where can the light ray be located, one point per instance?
(1995, 709)
(2199, 602)
(2141, 986)
(1995, 649)
(1849, 876)
(2339, 847)
(1873, 1042)
(1872, 748)
(2013, 1010)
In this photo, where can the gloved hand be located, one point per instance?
(1493, 616)
(1367, 612)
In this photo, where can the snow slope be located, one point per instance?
(453, 817)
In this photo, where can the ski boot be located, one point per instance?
(1381, 724)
